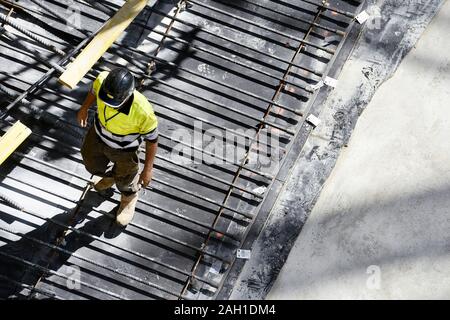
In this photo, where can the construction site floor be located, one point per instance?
(212, 69)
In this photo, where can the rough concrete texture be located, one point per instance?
(380, 227)
(384, 43)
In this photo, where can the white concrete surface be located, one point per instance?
(381, 226)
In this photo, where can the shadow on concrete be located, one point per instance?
(28, 248)
(394, 234)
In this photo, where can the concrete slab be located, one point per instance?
(380, 227)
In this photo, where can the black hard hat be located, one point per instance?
(117, 87)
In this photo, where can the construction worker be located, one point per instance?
(124, 119)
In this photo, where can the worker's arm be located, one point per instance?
(150, 152)
(82, 115)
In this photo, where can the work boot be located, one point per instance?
(102, 184)
(126, 210)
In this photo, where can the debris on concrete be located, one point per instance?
(386, 40)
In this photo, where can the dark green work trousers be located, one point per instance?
(97, 157)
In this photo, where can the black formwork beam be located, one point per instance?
(302, 44)
(252, 232)
(48, 75)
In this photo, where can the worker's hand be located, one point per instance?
(145, 178)
(82, 117)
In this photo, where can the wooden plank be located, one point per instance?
(12, 139)
(101, 42)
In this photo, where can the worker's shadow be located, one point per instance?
(30, 247)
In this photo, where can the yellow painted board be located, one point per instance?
(101, 42)
(12, 139)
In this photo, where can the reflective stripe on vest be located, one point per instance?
(120, 130)
(114, 141)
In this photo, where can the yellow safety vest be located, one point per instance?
(120, 130)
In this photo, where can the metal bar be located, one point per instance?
(54, 49)
(59, 17)
(154, 102)
(60, 239)
(10, 12)
(234, 132)
(10, 202)
(87, 180)
(210, 177)
(193, 194)
(156, 233)
(31, 35)
(44, 115)
(220, 232)
(245, 66)
(243, 161)
(250, 94)
(304, 42)
(173, 18)
(132, 252)
(45, 89)
(317, 25)
(327, 7)
(291, 132)
(161, 42)
(36, 54)
(260, 173)
(203, 77)
(47, 75)
(61, 275)
(201, 224)
(182, 243)
(164, 34)
(242, 113)
(324, 3)
(310, 106)
(247, 215)
(162, 158)
(11, 4)
(240, 44)
(31, 289)
(92, 262)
